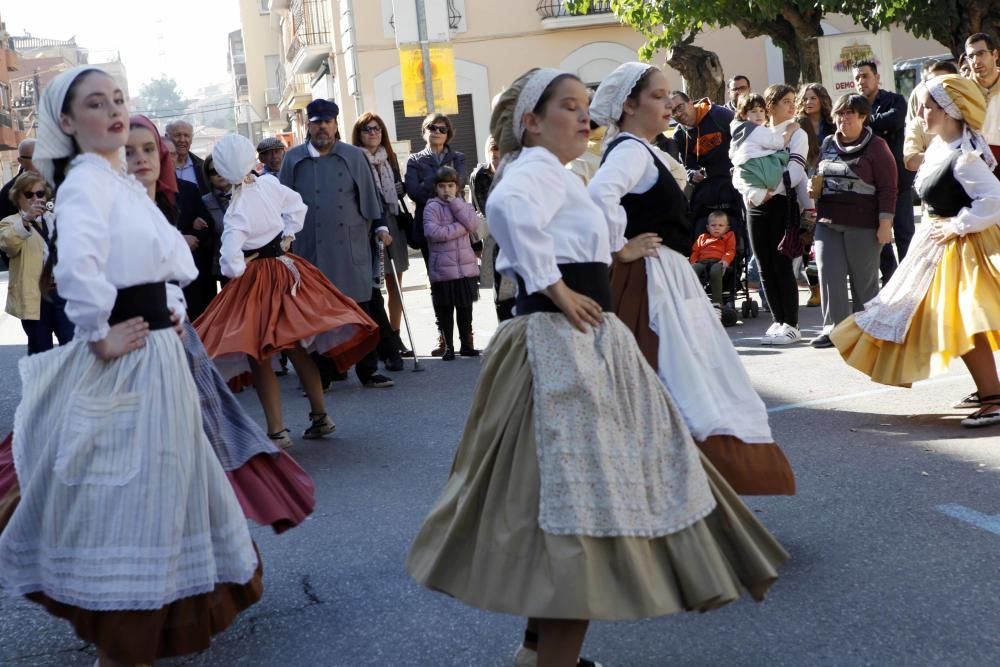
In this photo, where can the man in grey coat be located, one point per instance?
(336, 183)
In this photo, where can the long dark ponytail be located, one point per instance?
(45, 282)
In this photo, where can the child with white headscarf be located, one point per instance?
(275, 301)
(659, 297)
(565, 470)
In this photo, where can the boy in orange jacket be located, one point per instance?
(713, 253)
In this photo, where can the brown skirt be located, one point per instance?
(758, 469)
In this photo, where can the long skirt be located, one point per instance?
(962, 300)
(279, 304)
(121, 519)
(271, 487)
(702, 371)
(482, 542)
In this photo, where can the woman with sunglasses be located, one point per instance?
(24, 237)
(421, 168)
(371, 134)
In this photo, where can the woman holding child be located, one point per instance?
(658, 296)
(769, 220)
(855, 209)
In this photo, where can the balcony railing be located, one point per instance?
(310, 26)
(551, 9)
(272, 95)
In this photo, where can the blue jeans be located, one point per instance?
(52, 320)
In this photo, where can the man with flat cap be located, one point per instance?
(336, 183)
(271, 152)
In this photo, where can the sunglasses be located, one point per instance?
(39, 194)
(372, 129)
(440, 129)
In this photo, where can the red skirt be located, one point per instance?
(273, 491)
(279, 304)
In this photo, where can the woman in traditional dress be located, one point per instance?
(275, 301)
(658, 296)
(943, 302)
(271, 487)
(576, 493)
(126, 526)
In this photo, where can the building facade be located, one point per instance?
(346, 50)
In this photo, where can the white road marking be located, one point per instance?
(990, 522)
(862, 394)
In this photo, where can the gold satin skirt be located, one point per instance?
(963, 300)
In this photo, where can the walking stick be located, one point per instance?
(406, 318)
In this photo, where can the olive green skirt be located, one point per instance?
(481, 542)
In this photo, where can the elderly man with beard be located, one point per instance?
(189, 167)
(336, 183)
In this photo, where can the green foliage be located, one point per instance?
(668, 22)
(161, 97)
(946, 21)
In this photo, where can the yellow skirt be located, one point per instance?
(963, 300)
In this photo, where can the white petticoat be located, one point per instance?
(123, 503)
(697, 362)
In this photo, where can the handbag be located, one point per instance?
(405, 221)
(791, 243)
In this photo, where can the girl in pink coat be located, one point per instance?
(453, 271)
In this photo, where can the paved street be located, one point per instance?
(879, 574)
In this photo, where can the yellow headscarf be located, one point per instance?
(962, 99)
(965, 101)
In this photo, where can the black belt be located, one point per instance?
(588, 278)
(148, 301)
(269, 251)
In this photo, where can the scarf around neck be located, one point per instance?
(382, 172)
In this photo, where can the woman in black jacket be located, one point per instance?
(421, 169)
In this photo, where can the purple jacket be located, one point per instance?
(447, 227)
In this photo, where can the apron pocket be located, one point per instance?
(101, 447)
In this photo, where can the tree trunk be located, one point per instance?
(701, 70)
(973, 16)
(808, 51)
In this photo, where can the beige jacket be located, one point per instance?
(26, 250)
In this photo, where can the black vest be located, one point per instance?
(661, 210)
(943, 195)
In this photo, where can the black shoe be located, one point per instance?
(821, 341)
(403, 352)
(970, 401)
(449, 355)
(469, 352)
(394, 365)
(378, 381)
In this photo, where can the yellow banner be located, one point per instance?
(443, 85)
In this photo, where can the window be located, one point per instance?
(265, 6)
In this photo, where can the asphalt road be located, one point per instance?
(879, 574)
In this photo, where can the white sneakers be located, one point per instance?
(781, 334)
(768, 337)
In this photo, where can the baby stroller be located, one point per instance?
(724, 197)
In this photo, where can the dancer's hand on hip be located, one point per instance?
(643, 245)
(580, 310)
(122, 338)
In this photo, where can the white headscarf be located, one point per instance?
(52, 143)
(234, 157)
(528, 99)
(609, 100)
